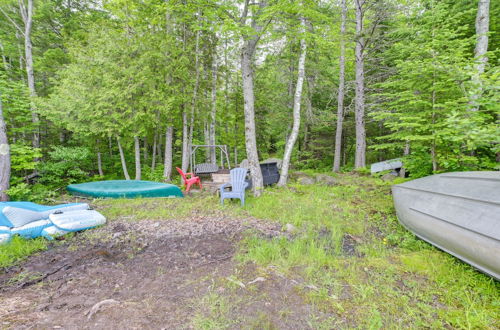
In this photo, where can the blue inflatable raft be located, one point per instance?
(31, 220)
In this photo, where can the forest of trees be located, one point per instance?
(91, 89)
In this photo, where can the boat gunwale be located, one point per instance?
(449, 195)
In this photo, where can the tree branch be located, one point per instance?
(12, 21)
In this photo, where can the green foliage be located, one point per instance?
(425, 102)
(18, 249)
(39, 193)
(66, 165)
(23, 158)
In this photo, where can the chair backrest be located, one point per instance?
(238, 176)
(181, 173)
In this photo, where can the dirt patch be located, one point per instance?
(349, 243)
(148, 274)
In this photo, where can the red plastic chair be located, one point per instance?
(188, 182)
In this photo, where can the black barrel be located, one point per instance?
(270, 174)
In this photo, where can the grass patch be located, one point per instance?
(18, 249)
(156, 208)
(212, 312)
(367, 268)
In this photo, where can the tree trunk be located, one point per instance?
(406, 152)
(27, 16)
(167, 170)
(296, 107)
(153, 156)
(99, 164)
(340, 97)
(360, 159)
(247, 55)
(122, 159)
(250, 138)
(6, 65)
(195, 94)
(110, 146)
(137, 144)
(185, 143)
(482, 29)
(213, 112)
(4, 158)
(99, 160)
(206, 139)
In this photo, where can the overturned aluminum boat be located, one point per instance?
(458, 213)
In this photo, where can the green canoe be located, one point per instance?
(124, 189)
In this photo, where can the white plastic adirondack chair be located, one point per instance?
(238, 186)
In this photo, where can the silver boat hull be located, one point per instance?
(458, 213)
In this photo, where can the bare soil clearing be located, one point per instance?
(145, 274)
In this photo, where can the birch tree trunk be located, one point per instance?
(185, 143)
(185, 130)
(206, 135)
(167, 170)
(340, 97)
(482, 29)
(213, 112)
(27, 16)
(122, 159)
(247, 55)
(137, 144)
(195, 97)
(4, 158)
(99, 164)
(296, 107)
(360, 158)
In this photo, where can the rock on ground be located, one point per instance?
(326, 180)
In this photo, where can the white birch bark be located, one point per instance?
(167, 170)
(341, 91)
(4, 157)
(296, 107)
(213, 112)
(482, 29)
(122, 159)
(195, 96)
(206, 136)
(137, 144)
(185, 143)
(247, 56)
(27, 16)
(360, 158)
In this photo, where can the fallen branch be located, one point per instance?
(97, 306)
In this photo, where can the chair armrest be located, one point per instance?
(245, 186)
(189, 174)
(223, 186)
